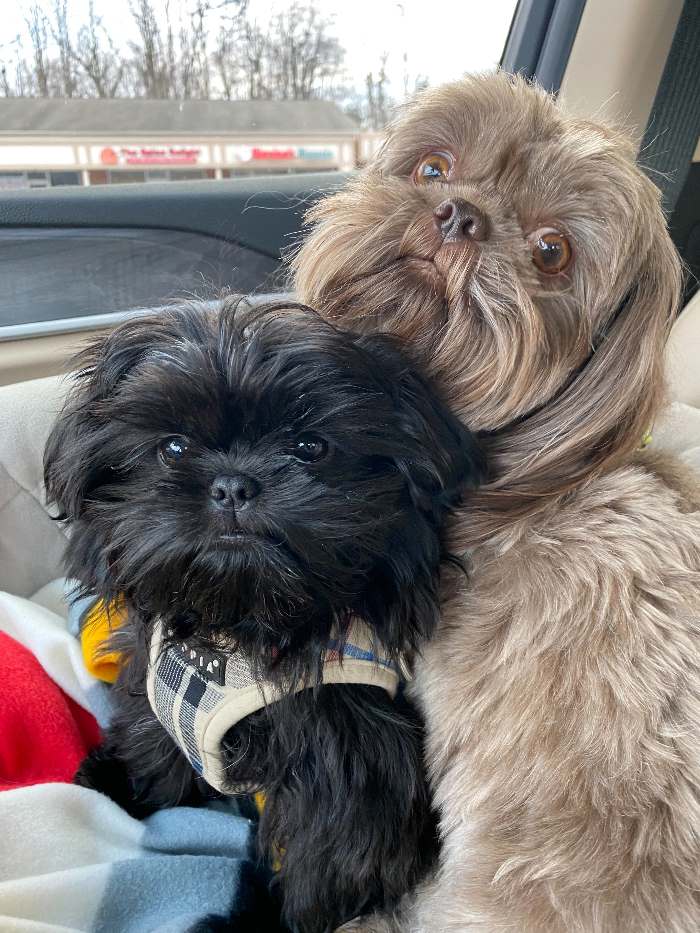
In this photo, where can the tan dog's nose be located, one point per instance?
(457, 219)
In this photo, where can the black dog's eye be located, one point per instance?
(309, 447)
(172, 450)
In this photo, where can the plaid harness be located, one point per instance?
(198, 695)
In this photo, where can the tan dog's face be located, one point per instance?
(498, 235)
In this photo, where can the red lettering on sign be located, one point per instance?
(161, 160)
(274, 153)
(151, 155)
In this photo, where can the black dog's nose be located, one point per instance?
(457, 219)
(234, 491)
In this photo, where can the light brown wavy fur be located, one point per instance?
(562, 692)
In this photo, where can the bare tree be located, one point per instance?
(171, 57)
(294, 56)
(37, 27)
(255, 62)
(17, 70)
(377, 114)
(66, 56)
(227, 63)
(303, 57)
(228, 54)
(191, 67)
(98, 57)
(200, 54)
(151, 53)
(5, 86)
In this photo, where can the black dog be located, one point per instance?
(258, 475)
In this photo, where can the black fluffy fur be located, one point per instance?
(357, 533)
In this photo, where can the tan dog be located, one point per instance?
(527, 256)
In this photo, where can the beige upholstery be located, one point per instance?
(679, 429)
(31, 544)
(683, 356)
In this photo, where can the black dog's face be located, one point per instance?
(259, 473)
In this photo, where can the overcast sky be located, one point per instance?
(442, 38)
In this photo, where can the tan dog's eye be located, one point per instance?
(436, 166)
(551, 251)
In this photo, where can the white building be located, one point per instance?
(50, 141)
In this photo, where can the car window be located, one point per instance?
(117, 269)
(102, 94)
(103, 106)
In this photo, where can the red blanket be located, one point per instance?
(44, 734)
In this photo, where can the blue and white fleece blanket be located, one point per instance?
(72, 860)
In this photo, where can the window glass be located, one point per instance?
(121, 95)
(64, 178)
(94, 93)
(123, 178)
(51, 275)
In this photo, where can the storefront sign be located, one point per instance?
(119, 156)
(258, 153)
(25, 157)
(320, 153)
(281, 153)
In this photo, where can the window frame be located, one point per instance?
(541, 36)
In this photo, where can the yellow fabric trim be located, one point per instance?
(277, 853)
(99, 624)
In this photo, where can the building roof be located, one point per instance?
(52, 116)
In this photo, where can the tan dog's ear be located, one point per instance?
(630, 383)
(603, 414)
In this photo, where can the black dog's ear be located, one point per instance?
(74, 454)
(442, 457)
